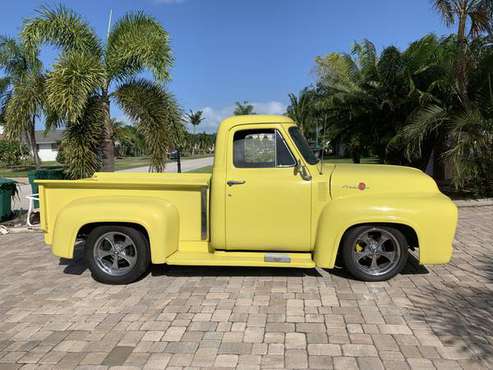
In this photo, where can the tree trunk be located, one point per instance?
(178, 160)
(356, 151)
(108, 146)
(34, 146)
(462, 59)
(438, 164)
(356, 154)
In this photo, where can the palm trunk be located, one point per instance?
(108, 147)
(34, 146)
(461, 60)
(438, 163)
(178, 160)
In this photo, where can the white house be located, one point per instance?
(48, 144)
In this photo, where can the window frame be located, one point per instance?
(299, 148)
(276, 132)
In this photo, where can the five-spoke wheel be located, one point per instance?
(374, 252)
(117, 254)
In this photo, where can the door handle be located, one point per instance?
(235, 182)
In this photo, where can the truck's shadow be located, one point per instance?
(412, 268)
(77, 266)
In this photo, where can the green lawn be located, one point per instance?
(131, 162)
(207, 169)
(21, 171)
(120, 164)
(370, 160)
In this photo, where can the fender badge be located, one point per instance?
(361, 186)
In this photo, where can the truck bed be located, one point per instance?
(187, 192)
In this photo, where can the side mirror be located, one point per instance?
(301, 169)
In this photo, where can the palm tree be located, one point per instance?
(21, 93)
(346, 81)
(243, 109)
(91, 74)
(195, 118)
(475, 13)
(300, 109)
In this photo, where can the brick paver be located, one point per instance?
(53, 315)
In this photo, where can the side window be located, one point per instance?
(263, 148)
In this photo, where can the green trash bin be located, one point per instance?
(44, 174)
(8, 188)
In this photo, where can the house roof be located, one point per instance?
(54, 136)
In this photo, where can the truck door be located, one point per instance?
(268, 206)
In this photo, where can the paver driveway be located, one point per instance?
(52, 314)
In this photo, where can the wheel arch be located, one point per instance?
(85, 229)
(157, 218)
(340, 216)
(408, 231)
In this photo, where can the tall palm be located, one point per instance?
(195, 118)
(477, 14)
(21, 92)
(301, 109)
(91, 74)
(243, 109)
(347, 83)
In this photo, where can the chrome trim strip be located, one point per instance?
(203, 213)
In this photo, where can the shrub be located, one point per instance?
(12, 153)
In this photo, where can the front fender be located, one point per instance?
(432, 216)
(157, 216)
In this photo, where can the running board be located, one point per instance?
(228, 258)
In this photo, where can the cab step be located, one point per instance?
(231, 258)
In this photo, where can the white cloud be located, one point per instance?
(213, 116)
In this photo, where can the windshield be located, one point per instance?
(302, 145)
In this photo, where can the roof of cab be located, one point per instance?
(253, 118)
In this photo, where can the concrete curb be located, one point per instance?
(474, 202)
(18, 230)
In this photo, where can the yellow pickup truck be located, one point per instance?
(268, 202)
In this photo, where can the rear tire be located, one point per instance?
(374, 252)
(117, 254)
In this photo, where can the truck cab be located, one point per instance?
(269, 202)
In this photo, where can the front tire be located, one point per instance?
(374, 252)
(117, 254)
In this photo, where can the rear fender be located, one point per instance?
(431, 215)
(157, 216)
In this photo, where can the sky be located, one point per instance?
(248, 50)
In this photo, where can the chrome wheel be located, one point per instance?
(376, 251)
(115, 253)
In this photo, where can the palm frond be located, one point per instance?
(138, 42)
(156, 114)
(75, 77)
(82, 141)
(62, 28)
(367, 57)
(446, 10)
(424, 122)
(337, 70)
(471, 151)
(25, 102)
(195, 118)
(480, 14)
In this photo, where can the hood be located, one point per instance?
(370, 179)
